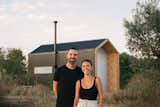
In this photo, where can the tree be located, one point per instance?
(143, 32)
(15, 65)
(125, 69)
(2, 61)
(130, 65)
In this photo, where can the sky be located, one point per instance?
(27, 24)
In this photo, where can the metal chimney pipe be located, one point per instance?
(55, 45)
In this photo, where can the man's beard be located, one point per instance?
(72, 61)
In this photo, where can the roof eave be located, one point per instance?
(104, 42)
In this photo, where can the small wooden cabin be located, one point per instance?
(104, 55)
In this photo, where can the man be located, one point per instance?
(65, 79)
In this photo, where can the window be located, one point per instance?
(43, 70)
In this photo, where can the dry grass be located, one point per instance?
(143, 90)
(38, 96)
(12, 95)
(6, 85)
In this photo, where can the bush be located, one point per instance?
(146, 82)
(37, 90)
(143, 90)
(6, 85)
(38, 95)
(14, 95)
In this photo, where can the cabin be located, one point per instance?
(103, 54)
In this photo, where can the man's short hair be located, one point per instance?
(74, 48)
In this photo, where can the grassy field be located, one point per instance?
(143, 90)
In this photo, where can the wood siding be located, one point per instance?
(112, 58)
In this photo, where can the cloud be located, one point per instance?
(17, 7)
(22, 7)
(35, 17)
(3, 8)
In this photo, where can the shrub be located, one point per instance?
(143, 90)
(38, 95)
(6, 85)
(146, 82)
(24, 96)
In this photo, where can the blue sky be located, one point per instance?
(27, 24)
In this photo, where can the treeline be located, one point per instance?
(13, 66)
(131, 65)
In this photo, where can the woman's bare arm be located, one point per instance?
(77, 88)
(100, 92)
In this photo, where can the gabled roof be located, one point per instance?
(89, 44)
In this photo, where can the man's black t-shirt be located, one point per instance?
(66, 79)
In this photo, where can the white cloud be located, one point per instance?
(36, 17)
(17, 7)
(22, 7)
(3, 8)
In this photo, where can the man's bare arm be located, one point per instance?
(55, 87)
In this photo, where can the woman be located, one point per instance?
(88, 88)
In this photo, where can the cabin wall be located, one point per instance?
(102, 67)
(113, 72)
(105, 62)
(46, 60)
(39, 60)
